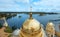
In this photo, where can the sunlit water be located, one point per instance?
(18, 21)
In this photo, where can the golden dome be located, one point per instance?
(50, 24)
(50, 28)
(31, 25)
(31, 28)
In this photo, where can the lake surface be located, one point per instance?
(18, 21)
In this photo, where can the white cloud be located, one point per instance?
(48, 4)
(6, 2)
(24, 5)
(12, 1)
(23, 1)
(10, 5)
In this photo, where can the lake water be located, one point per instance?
(18, 21)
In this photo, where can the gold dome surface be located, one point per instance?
(31, 25)
(50, 24)
(50, 28)
(31, 28)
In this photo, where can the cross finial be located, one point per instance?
(30, 12)
(31, 9)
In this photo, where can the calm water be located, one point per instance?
(18, 21)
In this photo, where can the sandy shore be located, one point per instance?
(3, 34)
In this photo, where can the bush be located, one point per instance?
(14, 27)
(8, 30)
(10, 35)
(0, 25)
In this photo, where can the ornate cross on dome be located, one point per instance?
(30, 12)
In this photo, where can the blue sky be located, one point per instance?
(24, 5)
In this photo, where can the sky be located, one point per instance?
(24, 5)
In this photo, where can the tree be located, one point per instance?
(0, 25)
(14, 27)
(8, 30)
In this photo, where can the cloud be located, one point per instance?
(22, 1)
(48, 2)
(11, 5)
(6, 2)
(51, 5)
(24, 5)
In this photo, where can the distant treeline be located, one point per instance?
(29, 12)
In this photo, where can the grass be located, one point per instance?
(10, 35)
(8, 30)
